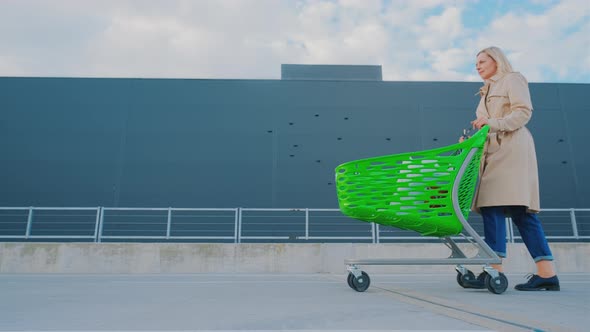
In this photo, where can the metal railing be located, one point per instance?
(236, 225)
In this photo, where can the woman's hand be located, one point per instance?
(480, 122)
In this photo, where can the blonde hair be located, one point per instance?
(502, 62)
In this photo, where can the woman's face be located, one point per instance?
(486, 66)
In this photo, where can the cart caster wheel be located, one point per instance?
(497, 285)
(462, 279)
(362, 283)
(349, 280)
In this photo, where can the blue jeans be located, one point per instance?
(529, 226)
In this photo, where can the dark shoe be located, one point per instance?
(478, 283)
(536, 283)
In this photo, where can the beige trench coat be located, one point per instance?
(508, 174)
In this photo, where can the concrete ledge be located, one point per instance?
(253, 258)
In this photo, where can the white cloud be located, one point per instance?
(11, 67)
(406, 14)
(542, 45)
(413, 40)
(450, 61)
(441, 30)
(206, 40)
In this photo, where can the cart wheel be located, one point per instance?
(497, 285)
(349, 280)
(362, 283)
(462, 279)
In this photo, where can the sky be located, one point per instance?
(419, 40)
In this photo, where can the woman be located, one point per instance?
(509, 184)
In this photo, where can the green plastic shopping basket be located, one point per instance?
(421, 191)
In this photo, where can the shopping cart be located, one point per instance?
(429, 192)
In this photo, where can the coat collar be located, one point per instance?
(497, 76)
(484, 89)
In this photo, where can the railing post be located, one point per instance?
(377, 231)
(29, 223)
(574, 223)
(510, 230)
(307, 224)
(236, 221)
(240, 214)
(238, 226)
(168, 223)
(100, 226)
(97, 224)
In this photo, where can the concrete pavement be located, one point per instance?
(283, 302)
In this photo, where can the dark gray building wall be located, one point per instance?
(331, 72)
(249, 143)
